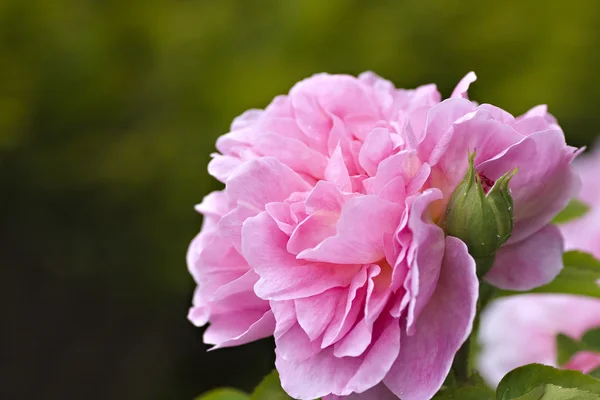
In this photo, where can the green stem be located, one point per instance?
(460, 366)
(464, 359)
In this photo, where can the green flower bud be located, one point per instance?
(483, 221)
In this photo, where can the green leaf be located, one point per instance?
(270, 389)
(224, 394)
(523, 380)
(591, 339)
(560, 393)
(553, 392)
(595, 373)
(566, 347)
(579, 275)
(575, 209)
(535, 394)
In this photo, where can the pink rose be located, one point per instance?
(522, 330)
(327, 234)
(584, 233)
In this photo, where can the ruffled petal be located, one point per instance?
(424, 359)
(360, 230)
(282, 276)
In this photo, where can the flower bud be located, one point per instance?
(483, 221)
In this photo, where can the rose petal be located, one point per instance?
(463, 86)
(529, 263)
(360, 230)
(325, 374)
(261, 181)
(544, 183)
(235, 329)
(282, 276)
(424, 360)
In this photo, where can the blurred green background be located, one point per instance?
(109, 110)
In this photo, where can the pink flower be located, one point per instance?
(584, 233)
(333, 196)
(522, 330)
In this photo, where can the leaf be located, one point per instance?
(523, 380)
(270, 389)
(224, 394)
(560, 393)
(579, 275)
(595, 373)
(535, 394)
(566, 348)
(591, 339)
(575, 209)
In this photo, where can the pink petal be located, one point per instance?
(544, 183)
(347, 310)
(214, 204)
(357, 340)
(282, 276)
(445, 323)
(316, 312)
(312, 231)
(239, 328)
(377, 146)
(246, 119)
(222, 167)
(337, 172)
(325, 374)
(295, 345)
(475, 131)
(535, 120)
(439, 120)
(360, 230)
(325, 196)
(292, 153)
(529, 263)
(261, 181)
(404, 164)
(463, 85)
(377, 392)
(230, 225)
(425, 255)
(283, 216)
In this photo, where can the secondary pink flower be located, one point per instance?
(333, 196)
(584, 233)
(522, 330)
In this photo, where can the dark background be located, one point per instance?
(109, 110)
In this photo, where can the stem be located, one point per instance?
(460, 366)
(464, 358)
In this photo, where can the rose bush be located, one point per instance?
(329, 232)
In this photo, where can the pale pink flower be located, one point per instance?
(333, 196)
(522, 329)
(584, 233)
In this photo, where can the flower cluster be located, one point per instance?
(330, 235)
